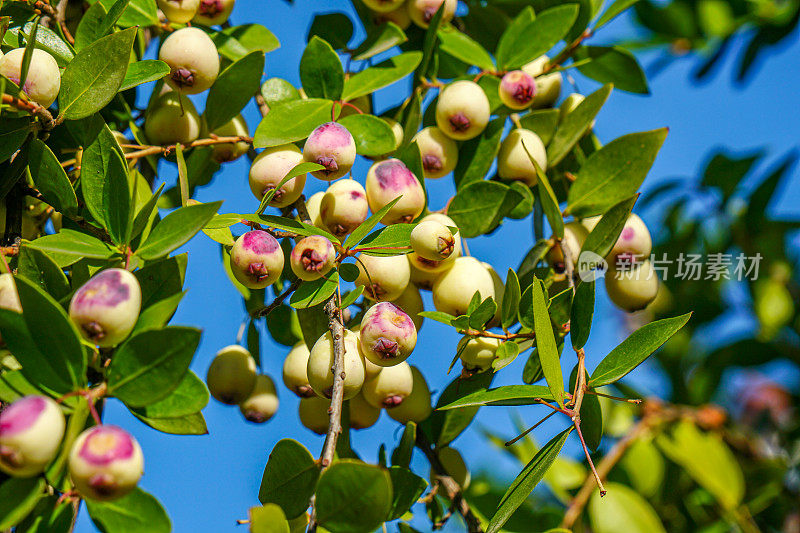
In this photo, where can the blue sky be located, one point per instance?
(207, 483)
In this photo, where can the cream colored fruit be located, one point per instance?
(105, 463)
(344, 207)
(418, 262)
(548, 87)
(226, 152)
(31, 430)
(499, 291)
(313, 413)
(478, 353)
(213, 12)
(270, 167)
(423, 11)
(192, 58)
(411, 302)
(417, 405)
(463, 110)
(171, 119)
(432, 240)
(295, 371)
(454, 466)
(178, 11)
(262, 404)
(634, 289)
(569, 104)
(383, 278)
(312, 206)
(439, 152)
(320, 363)
(422, 279)
(389, 388)
(575, 235)
(391, 179)
(9, 298)
(399, 16)
(383, 6)
(634, 242)
(362, 414)
(231, 376)
(453, 290)
(397, 130)
(514, 161)
(43, 80)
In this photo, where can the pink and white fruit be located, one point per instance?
(517, 89)
(224, 153)
(312, 257)
(478, 353)
(231, 376)
(106, 307)
(633, 288)
(256, 259)
(105, 463)
(262, 404)
(31, 430)
(213, 12)
(171, 119)
(332, 146)
(313, 413)
(411, 302)
(417, 405)
(9, 298)
(575, 235)
(513, 161)
(389, 388)
(362, 414)
(383, 278)
(462, 111)
(344, 207)
(192, 58)
(388, 335)
(388, 179)
(454, 288)
(270, 167)
(320, 364)
(432, 240)
(178, 11)
(548, 86)
(370, 369)
(423, 11)
(439, 152)
(383, 6)
(454, 466)
(634, 243)
(295, 371)
(43, 80)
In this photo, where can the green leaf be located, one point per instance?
(513, 35)
(292, 121)
(69, 246)
(428, 64)
(391, 240)
(100, 157)
(138, 512)
(622, 509)
(150, 365)
(193, 424)
(378, 76)
(18, 497)
(407, 487)
(42, 270)
(581, 315)
(311, 293)
(13, 131)
(525, 482)
(365, 227)
(480, 207)
(374, 137)
(46, 39)
(616, 8)
(511, 296)
(614, 172)
(464, 48)
(321, 71)
(277, 91)
(92, 79)
(476, 156)
(176, 229)
(161, 279)
(238, 41)
(353, 496)
(268, 519)
(335, 28)
(546, 343)
(635, 349)
(288, 224)
(548, 198)
(48, 516)
(438, 316)
(542, 122)
(503, 396)
(290, 478)
(575, 125)
(537, 37)
(143, 72)
(190, 396)
(445, 426)
(401, 456)
(51, 180)
(117, 200)
(114, 13)
(613, 64)
(605, 234)
(88, 30)
(379, 39)
(234, 87)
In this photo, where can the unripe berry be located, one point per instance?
(344, 207)
(320, 364)
(256, 259)
(513, 162)
(213, 12)
(171, 119)
(106, 307)
(633, 288)
(454, 288)
(192, 58)
(634, 243)
(370, 369)
(517, 89)
(548, 87)
(432, 240)
(262, 404)
(231, 376)
(268, 170)
(389, 388)
(423, 11)
(386, 180)
(383, 6)
(333, 147)
(295, 373)
(454, 466)
(478, 353)
(178, 11)
(9, 298)
(43, 80)
(411, 302)
(462, 111)
(387, 335)
(388, 276)
(439, 152)
(312, 257)
(432, 266)
(422, 279)
(362, 414)
(105, 463)
(399, 16)
(397, 128)
(313, 205)
(31, 430)
(313, 413)
(575, 235)
(224, 153)
(417, 405)
(499, 291)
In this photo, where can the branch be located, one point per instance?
(567, 52)
(501, 336)
(264, 311)
(44, 116)
(145, 150)
(337, 396)
(61, 18)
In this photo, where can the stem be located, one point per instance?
(44, 116)
(567, 52)
(337, 396)
(536, 425)
(501, 336)
(154, 150)
(264, 311)
(61, 16)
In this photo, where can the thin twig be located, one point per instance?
(536, 425)
(166, 149)
(61, 18)
(264, 311)
(40, 112)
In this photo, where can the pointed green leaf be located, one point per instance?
(321, 71)
(290, 478)
(575, 125)
(378, 76)
(546, 343)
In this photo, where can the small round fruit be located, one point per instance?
(499, 291)
(344, 207)
(43, 80)
(262, 404)
(417, 405)
(9, 298)
(454, 288)
(388, 335)
(213, 12)
(575, 235)
(312, 257)
(256, 259)
(422, 264)
(224, 153)
(423, 11)
(105, 463)
(320, 364)
(231, 377)
(370, 369)
(634, 243)
(634, 288)
(362, 414)
(513, 161)
(478, 353)
(171, 119)
(517, 89)
(192, 58)
(383, 6)
(411, 302)
(383, 278)
(268, 170)
(389, 388)
(295, 371)
(454, 466)
(422, 279)
(399, 16)
(31, 430)
(178, 11)
(462, 111)
(432, 240)
(548, 87)
(106, 307)
(397, 130)
(332, 146)
(388, 179)
(313, 413)
(313, 207)
(439, 152)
